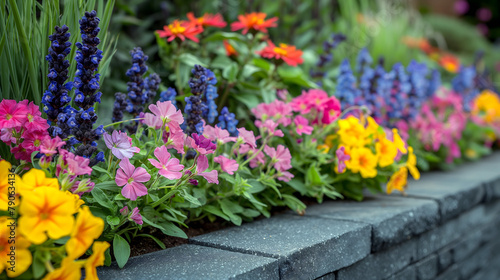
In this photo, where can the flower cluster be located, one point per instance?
(326, 57)
(486, 110)
(46, 212)
(22, 128)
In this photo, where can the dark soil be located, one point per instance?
(144, 245)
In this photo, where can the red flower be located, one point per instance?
(207, 20)
(230, 51)
(287, 53)
(180, 29)
(253, 21)
(450, 63)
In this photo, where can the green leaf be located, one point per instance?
(191, 198)
(256, 186)
(219, 36)
(262, 64)
(313, 176)
(102, 199)
(38, 265)
(121, 250)
(167, 228)
(107, 257)
(230, 209)
(113, 221)
(295, 75)
(230, 72)
(190, 60)
(298, 185)
(108, 186)
(100, 169)
(249, 99)
(216, 211)
(158, 241)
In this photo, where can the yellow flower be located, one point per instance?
(69, 270)
(398, 180)
(374, 129)
(487, 106)
(400, 144)
(330, 139)
(352, 132)
(411, 163)
(21, 260)
(46, 211)
(323, 148)
(35, 178)
(386, 152)
(87, 228)
(363, 161)
(95, 260)
(5, 167)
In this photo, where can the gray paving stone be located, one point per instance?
(445, 257)
(306, 247)
(466, 246)
(460, 189)
(427, 268)
(409, 273)
(193, 262)
(475, 262)
(382, 264)
(451, 273)
(394, 219)
(437, 238)
(329, 276)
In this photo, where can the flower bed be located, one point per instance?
(445, 228)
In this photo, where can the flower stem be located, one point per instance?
(111, 124)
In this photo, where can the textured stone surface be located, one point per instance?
(460, 189)
(193, 262)
(306, 247)
(394, 219)
(464, 248)
(382, 264)
(445, 257)
(409, 273)
(329, 276)
(437, 238)
(427, 268)
(451, 273)
(475, 262)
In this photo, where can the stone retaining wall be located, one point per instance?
(447, 227)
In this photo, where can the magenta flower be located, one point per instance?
(83, 186)
(34, 118)
(124, 211)
(169, 168)
(131, 179)
(201, 166)
(247, 137)
(227, 165)
(49, 145)
(201, 144)
(12, 114)
(175, 138)
(278, 111)
(260, 158)
(484, 14)
(302, 125)
(285, 176)
(342, 158)
(280, 157)
(217, 134)
(33, 139)
(461, 7)
(152, 121)
(120, 144)
(7, 135)
(331, 110)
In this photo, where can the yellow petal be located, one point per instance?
(69, 270)
(87, 228)
(96, 259)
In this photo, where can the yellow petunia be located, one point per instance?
(19, 245)
(398, 181)
(46, 211)
(374, 129)
(352, 132)
(323, 148)
(400, 144)
(5, 167)
(95, 260)
(411, 163)
(35, 178)
(87, 228)
(363, 161)
(69, 270)
(386, 152)
(487, 106)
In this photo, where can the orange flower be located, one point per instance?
(230, 51)
(180, 29)
(450, 63)
(69, 270)
(207, 20)
(254, 22)
(287, 53)
(95, 260)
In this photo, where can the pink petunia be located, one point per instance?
(169, 168)
(331, 110)
(260, 158)
(83, 186)
(131, 179)
(227, 165)
(120, 144)
(135, 216)
(342, 158)
(7, 135)
(33, 139)
(217, 134)
(167, 112)
(269, 127)
(201, 144)
(21, 153)
(201, 166)
(175, 138)
(278, 111)
(247, 137)
(285, 176)
(49, 145)
(12, 114)
(34, 118)
(124, 211)
(280, 156)
(302, 126)
(152, 121)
